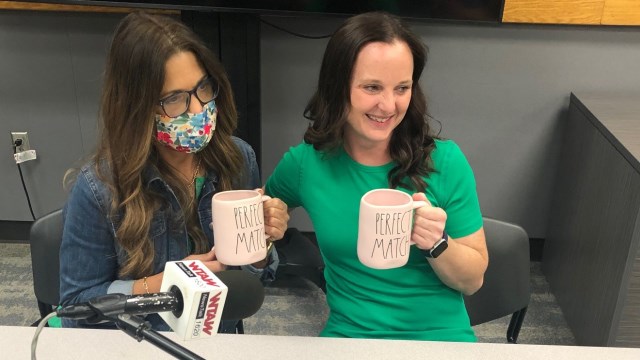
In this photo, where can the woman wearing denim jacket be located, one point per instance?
(165, 148)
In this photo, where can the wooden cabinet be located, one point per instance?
(585, 12)
(575, 12)
(591, 256)
(621, 12)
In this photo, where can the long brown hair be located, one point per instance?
(412, 140)
(134, 77)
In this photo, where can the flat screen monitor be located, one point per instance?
(466, 10)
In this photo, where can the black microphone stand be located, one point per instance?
(140, 330)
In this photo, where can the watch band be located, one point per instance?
(438, 248)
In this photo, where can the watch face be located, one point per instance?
(439, 249)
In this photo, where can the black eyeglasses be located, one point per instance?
(178, 103)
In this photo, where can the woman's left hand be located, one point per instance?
(276, 217)
(209, 260)
(428, 224)
(462, 265)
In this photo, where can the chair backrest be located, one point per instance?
(299, 256)
(45, 237)
(506, 287)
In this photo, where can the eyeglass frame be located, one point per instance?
(192, 92)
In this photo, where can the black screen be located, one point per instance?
(473, 10)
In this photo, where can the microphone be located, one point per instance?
(113, 304)
(191, 303)
(205, 295)
(245, 294)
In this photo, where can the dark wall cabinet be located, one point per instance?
(591, 257)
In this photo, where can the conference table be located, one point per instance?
(15, 343)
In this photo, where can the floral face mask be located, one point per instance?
(188, 133)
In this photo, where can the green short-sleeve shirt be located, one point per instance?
(409, 302)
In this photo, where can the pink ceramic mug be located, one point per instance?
(238, 226)
(384, 228)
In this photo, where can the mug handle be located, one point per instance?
(265, 198)
(415, 205)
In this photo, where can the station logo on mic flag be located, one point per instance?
(204, 296)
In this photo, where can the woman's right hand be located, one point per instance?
(209, 260)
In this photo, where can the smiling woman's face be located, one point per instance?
(380, 93)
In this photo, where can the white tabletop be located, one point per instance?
(15, 343)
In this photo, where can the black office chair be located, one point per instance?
(506, 289)
(44, 238)
(299, 256)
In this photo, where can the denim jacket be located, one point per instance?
(90, 257)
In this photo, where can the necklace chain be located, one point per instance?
(195, 173)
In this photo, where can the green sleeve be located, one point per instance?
(461, 199)
(284, 182)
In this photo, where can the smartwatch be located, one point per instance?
(438, 248)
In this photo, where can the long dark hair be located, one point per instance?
(133, 81)
(412, 141)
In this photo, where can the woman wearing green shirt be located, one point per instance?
(370, 129)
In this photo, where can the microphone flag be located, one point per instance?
(203, 293)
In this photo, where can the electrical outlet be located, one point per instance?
(22, 138)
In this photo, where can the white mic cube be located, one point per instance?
(203, 297)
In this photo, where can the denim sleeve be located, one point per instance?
(268, 274)
(253, 172)
(88, 259)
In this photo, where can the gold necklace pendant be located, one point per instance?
(195, 172)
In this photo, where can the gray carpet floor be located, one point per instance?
(292, 306)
